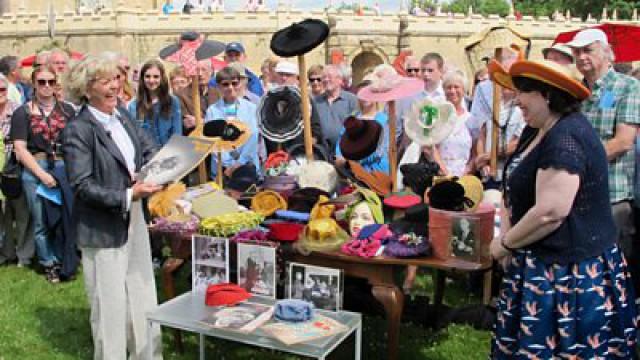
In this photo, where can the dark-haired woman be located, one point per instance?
(155, 109)
(566, 291)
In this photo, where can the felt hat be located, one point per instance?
(419, 176)
(305, 199)
(360, 138)
(299, 38)
(212, 204)
(231, 223)
(243, 178)
(546, 71)
(375, 180)
(411, 234)
(318, 174)
(402, 201)
(225, 294)
(430, 122)
(285, 231)
(448, 194)
(280, 114)
(561, 48)
(387, 85)
(232, 133)
(322, 235)
(266, 202)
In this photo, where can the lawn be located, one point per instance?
(41, 321)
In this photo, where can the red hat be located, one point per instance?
(285, 231)
(402, 201)
(225, 294)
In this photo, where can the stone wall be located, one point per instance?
(142, 33)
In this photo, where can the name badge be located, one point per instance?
(607, 100)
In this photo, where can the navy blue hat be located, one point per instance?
(234, 46)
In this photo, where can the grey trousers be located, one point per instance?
(18, 240)
(121, 290)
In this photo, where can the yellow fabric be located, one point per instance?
(322, 210)
(163, 203)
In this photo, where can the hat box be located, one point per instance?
(462, 235)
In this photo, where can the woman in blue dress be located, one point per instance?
(155, 109)
(566, 291)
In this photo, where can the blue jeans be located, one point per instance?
(44, 244)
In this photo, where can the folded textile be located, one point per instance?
(293, 310)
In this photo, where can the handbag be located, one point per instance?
(11, 178)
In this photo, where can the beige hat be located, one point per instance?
(318, 174)
(587, 37)
(561, 48)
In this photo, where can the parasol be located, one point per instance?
(622, 38)
(29, 60)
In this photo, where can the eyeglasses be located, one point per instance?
(413, 70)
(50, 82)
(315, 79)
(230, 83)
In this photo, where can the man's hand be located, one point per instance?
(48, 180)
(142, 190)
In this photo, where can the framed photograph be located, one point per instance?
(321, 286)
(210, 259)
(257, 269)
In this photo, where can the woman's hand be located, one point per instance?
(142, 190)
(497, 250)
(482, 160)
(48, 180)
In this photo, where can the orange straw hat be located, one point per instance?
(545, 71)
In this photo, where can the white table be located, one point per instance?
(185, 311)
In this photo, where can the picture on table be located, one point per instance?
(321, 286)
(257, 269)
(463, 239)
(244, 317)
(210, 259)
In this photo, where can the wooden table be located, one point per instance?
(380, 271)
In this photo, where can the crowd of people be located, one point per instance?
(563, 140)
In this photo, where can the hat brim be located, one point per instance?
(208, 49)
(552, 74)
(299, 38)
(280, 128)
(226, 145)
(407, 87)
(441, 128)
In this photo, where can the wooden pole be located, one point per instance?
(219, 176)
(393, 150)
(306, 109)
(198, 131)
(493, 160)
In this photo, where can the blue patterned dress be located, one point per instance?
(579, 310)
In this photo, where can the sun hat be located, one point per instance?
(225, 294)
(561, 48)
(232, 133)
(377, 181)
(321, 235)
(430, 122)
(387, 85)
(286, 67)
(299, 38)
(213, 204)
(293, 310)
(285, 231)
(318, 174)
(360, 138)
(587, 37)
(266, 203)
(546, 71)
(280, 114)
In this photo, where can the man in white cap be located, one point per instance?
(558, 53)
(614, 111)
(287, 73)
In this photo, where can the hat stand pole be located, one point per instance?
(195, 96)
(306, 110)
(219, 176)
(393, 151)
(493, 160)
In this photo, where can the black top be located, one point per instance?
(42, 134)
(571, 145)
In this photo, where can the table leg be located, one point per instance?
(488, 284)
(202, 356)
(150, 338)
(170, 266)
(358, 340)
(438, 292)
(392, 299)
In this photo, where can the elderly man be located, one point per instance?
(614, 111)
(334, 105)
(243, 80)
(234, 52)
(59, 60)
(412, 66)
(558, 53)
(287, 73)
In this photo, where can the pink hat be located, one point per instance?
(387, 85)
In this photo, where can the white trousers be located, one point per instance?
(121, 290)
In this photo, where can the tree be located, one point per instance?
(484, 7)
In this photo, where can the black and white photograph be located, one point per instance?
(175, 160)
(463, 239)
(319, 285)
(210, 257)
(257, 269)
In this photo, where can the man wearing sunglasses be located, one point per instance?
(412, 66)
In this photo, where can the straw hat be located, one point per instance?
(545, 71)
(473, 190)
(429, 122)
(232, 133)
(387, 85)
(267, 202)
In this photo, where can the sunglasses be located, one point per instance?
(50, 82)
(413, 70)
(3, 89)
(229, 83)
(315, 79)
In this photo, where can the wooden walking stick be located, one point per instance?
(306, 108)
(495, 129)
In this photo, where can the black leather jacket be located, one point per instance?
(99, 178)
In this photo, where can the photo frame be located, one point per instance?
(210, 262)
(319, 285)
(256, 266)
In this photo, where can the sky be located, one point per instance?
(385, 5)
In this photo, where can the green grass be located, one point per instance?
(41, 321)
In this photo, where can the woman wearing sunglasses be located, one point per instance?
(314, 74)
(36, 130)
(155, 109)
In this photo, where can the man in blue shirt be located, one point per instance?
(234, 52)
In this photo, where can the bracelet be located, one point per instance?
(508, 248)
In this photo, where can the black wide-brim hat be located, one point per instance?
(297, 151)
(208, 48)
(299, 38)
(280, 114)
(360, 138)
